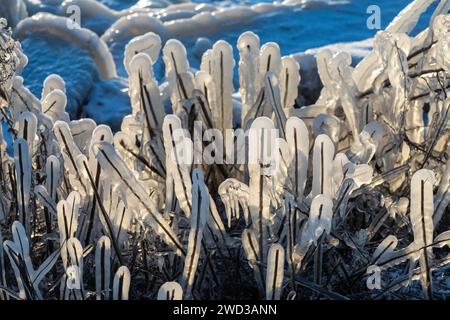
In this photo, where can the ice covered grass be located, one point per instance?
(354, 184)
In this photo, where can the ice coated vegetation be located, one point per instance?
(362, 185)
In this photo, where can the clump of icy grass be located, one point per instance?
(362, 181)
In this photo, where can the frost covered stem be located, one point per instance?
(105, 215)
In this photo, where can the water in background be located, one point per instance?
(318, 24)
(315, 24)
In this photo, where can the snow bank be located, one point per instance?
(108, 102)
(188, 20)
(50, 56)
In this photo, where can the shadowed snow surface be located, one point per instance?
(47, 56)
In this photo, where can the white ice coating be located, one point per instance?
(177, 65)
(289, 80)
(80, 37)
(141, 76)
(138, 21)
(269, 60)
(51, 83)
(248, 45)
(149, 43)
(54, 105)
(188, 20)
(133, 25)
(222, 75)
(405, 22)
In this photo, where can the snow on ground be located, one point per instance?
(74, 65)
(108, 102)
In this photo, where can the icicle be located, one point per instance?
(53, 173)
(204, 83)
(442, 197)
(70, 151)
(384, 249)
(51, 83)
(319, 222)
(369, 140)
(41, 192)
(22, 99)
(121, 220)
(320, 216)
(82, 131)
(75, 256)
(202, 109)
(206, 63)
(280, 179)
(18, 251)
(234, 194)
(252, 251)
(294, 221)
(178, 160)
(27, 129)
(369, 68)
(323, 58)
(259, 109)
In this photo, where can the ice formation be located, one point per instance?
(359, 179)
(81, 37)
